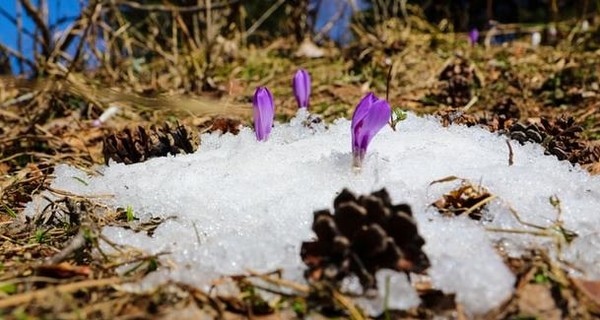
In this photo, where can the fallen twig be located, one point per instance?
(510, 153)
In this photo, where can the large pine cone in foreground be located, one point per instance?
(140, 144)
(364, 234)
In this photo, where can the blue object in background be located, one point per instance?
(60, 14)
(333, 17)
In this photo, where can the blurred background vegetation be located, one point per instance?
(91, 33)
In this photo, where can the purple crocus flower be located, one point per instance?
(371, 114)
(264, 112)
(301, 86)
(473, 36)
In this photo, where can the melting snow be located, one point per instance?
(252, 203)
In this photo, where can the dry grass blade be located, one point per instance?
(281, 282)
(27, 297)
(77, 85)
(446, 179)
(355, 314)
(478, 205)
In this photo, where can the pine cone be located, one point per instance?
(460, 67)
(226, 125)
(527, 133)
(568, 85)
(566, 142)
(593, 168)
(565, 148)
(450, 116)
(140, 144)
(458, 79)
(497, 123)
(507, 109)
(560, 137)
(364, 235)
(590, 154)
(562, 126)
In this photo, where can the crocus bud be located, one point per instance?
(473, 36)
(371, 114)
(264, 112)
(301, 86)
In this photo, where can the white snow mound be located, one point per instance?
(252, 202)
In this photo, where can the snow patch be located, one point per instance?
(252, 202)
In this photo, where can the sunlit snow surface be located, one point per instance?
(252, 203)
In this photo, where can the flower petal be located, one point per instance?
(362, 108)
(301, 86)
(376, 118)
(264, 112)
(473, 36)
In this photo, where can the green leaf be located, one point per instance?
(8, 288)
(129, 213)
(299, 307)
(399, 114)
(152, 265)
(80, 180)
(10, 211)
(541, 277)
(40, 235)
(88, 235)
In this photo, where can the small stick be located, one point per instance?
(510, 153)
(208, 15)
(262, 18)
(197, 233)
(76, 243)
(36, 14)
(19, 14)
(387, 85)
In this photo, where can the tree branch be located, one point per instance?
(34, 14)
